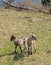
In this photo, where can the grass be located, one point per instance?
(22, 23)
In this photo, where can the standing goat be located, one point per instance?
(27, 42)
(18, 42)
(31, 41)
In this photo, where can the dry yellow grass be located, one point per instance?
(22, 23)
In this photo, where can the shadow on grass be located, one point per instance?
(17, 56)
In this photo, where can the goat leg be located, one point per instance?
(15, 49)
(29, 51)
(20, 49)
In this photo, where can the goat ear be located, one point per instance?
(34, 35)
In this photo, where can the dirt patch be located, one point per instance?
(30, 19)
(36, 19)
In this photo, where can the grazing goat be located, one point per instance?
(31, 41)
(18, 42)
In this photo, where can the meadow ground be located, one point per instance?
(21, 24)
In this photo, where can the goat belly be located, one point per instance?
(18, 42)
(21, 42)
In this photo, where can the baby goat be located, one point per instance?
(31, 41)
(18, 42)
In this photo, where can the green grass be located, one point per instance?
(22, 23)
